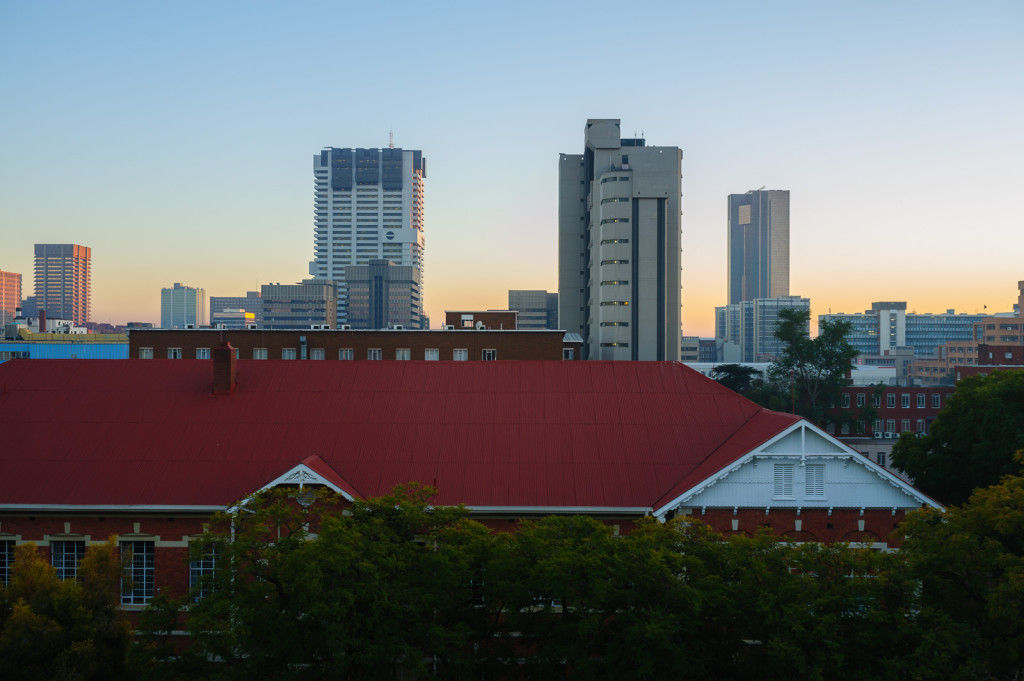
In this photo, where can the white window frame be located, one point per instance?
(317, 353)
(403, 353)
(66, 556)
(289, 353)
(783, 483)
(6, 560)
(568, 353)
(374, 353)
(920, 401)
(814, 481)
(489, 354)
(346, 354)
(431, 354)
(145, 353)
(202, 353)
(460, 354)
(138, 576)
(201, 568)
(173, 353)
(259, 353)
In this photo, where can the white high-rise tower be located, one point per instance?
(369, 206)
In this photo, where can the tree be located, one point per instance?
(969, 562)
(72, 629)
(735, 377)
(813, 369)
(972, 442)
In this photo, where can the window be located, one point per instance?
(65, 557)
(201, 570)
(431, 354)
(905, 401)
(489, 354)
(844, 429)
(881, 459)
(920, 400)
(403, 353)
(374, 353)
(202, 353)
(890, 400)
(935, 400)
(861, 399)
(317, 353)
(145, 353)
(138, 568)
(345, 353)
(287, 353)
(460, 354)
(568, 353)
(783, 480)
(6, 561)
(846, 400)
(259, 353)
(890, 425)
(905, 425)
(876, 426)
(815, 484)
(920, 426)
(876, 401)
(173, 353)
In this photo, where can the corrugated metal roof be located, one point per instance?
(516, 434)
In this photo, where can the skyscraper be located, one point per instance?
(63, 274)
(758, 245)
(310, 304)
(618, 245)
(182, 307)
(380, 295)
(10, 296)
(369, 206)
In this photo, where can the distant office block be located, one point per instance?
(887, 326)
(537, 309)
(182, 307)
(224, 310)
(383, 295)
(618, 245)
(63, 281)
(758, 245)
(313, 303)
(10, 296)
(368, 206)
(745, 331)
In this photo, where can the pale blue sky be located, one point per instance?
(176, 139)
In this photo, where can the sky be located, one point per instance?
(176, 139)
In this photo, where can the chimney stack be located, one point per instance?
(224, 369)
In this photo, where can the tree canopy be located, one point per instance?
(972, 442)
(813, 370)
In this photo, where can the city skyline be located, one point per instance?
(894, 128)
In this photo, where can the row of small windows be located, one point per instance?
(614, 302)
(614, 262)
(890, 400)
(458, 354)
(616, 199)
(614, 323)
(605, 242)
(814, 480)
(138, 566)
(614, 345)
(615, 282)
(609, 220)
(615, 178)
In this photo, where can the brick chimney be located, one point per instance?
(224, 369)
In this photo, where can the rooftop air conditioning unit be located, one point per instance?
(190, 326)
(346, 327)
(878, 435)
(221, 326)
(250, 326)
(449, 327)
(399, 327)
(889, 435)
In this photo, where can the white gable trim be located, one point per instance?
(304, 475)
(805, 428)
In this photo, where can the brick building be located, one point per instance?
(349, 344)
(153, 449)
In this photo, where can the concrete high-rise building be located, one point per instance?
(182, 307)
(368, 206)
(310, 304)
(383, 295)
(758, 245)
(537, 309)
(225, 310)
(887, 326)
(745, 331)
(618, 245)
(63, 275)
(10, 296)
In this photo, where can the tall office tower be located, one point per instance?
(310, 304)
(10, 296)
(182, 307)
(64, 281)
(745, 331)
(758, 245)
(618, 245)
(380, 296)
(369, 206)
(225, 310)
(537, 309)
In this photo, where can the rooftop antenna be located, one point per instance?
(391, 140)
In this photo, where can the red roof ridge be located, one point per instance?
(318, 465)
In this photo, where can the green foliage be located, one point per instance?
(970, 564)
(812, 370)
(52, 629)
(973, 440)
(735, 377)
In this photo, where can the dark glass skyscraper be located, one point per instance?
(758, 245)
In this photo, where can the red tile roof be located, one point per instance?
(493, 434)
